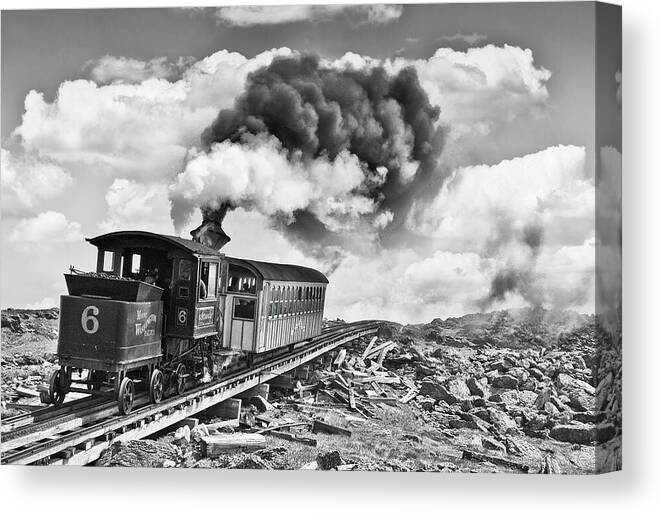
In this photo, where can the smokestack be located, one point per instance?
(210, 233)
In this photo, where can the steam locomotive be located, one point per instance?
(161, 312)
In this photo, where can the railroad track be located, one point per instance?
(79, 431)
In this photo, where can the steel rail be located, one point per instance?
(84, 444)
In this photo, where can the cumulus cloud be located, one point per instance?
(48, 227)
(548, 186)
(531, 218)
(141, 130)
(136, 206)
(254, 15)
(110, 68)
(27, 181)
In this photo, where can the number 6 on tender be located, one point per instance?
(86, 318)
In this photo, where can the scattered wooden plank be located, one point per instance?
(283, 425)
(352, 399)
(379, 399)
(214, 445)
(369, 348)
(294, 437)
(304, 388)
(379, 379)
(340, 357)
(343, 386)
(387, 380)
(482, 457)
(377, 388)
(234, 423)
(322, 426)
(378, 349)
(412, 393)
(383, 353)
(26, 393)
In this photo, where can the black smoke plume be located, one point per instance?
(316, 111)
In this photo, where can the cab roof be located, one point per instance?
(150, 239)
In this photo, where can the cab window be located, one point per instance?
(136, 260)
(209, 280)
(108, 258)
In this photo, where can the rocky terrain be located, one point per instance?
(510, 391)
(29, 342)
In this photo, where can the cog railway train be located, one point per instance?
(161, 312)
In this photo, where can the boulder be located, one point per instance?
(475, 422)
(476, 387)
(528, 385)
(550, 409)
(536, 373)
(458, 389)
(583, 433)
(453, 391)
(483, 414)
(520, 448)
(329, 460)
(426, 403)
(543, 398)
(252, 462)
(581, 394)
(501, 365)
(479, 402)
(505, 382)
(527, 398)
(509, 397)
(519, 373)
(466, 405)
(144, 453)
(489, 443)
(502, 422)
(182, 436)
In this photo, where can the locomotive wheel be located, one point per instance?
(180, 379)
(156, 386)
(55, 389)
(126, 396)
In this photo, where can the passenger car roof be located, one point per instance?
(137, 235)
(284, 272)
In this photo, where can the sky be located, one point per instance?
(103, 113)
